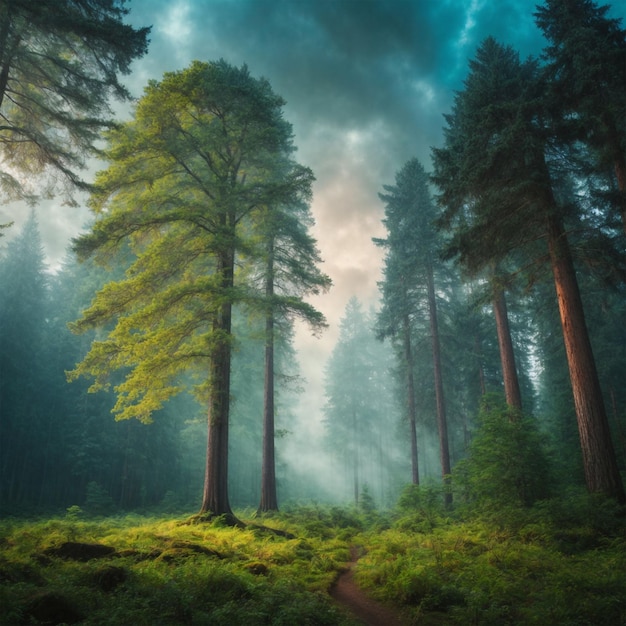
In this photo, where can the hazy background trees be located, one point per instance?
(361, 413)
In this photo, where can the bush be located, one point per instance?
(420, 507)
(507, 464)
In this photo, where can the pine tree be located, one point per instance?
(197, 161)
(496, 164)
(59, 64)
(289, 271)
(23, 353)
(359, 408)
(586, 70)
(410, 278)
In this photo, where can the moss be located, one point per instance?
(477, 570)
(109, 577)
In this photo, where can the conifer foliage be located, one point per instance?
(409, 292)
(188, 176)
(359, 410)
(586, 69)
(59, 64)
(496, 187)
(23, 311)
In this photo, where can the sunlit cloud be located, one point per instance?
(175, 23)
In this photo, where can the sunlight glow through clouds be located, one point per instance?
(176, 25)
(366, 85)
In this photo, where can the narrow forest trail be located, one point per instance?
(348, 594)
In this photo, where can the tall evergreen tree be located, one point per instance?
(289, 271)
(397, 309)
(59, 64)
(197, 161)
(586, 68)
(496, 162)
(358, 412)
(410, 274)
(132, 463)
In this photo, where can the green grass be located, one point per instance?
(512, 567)
(171, 572)
(562, 563)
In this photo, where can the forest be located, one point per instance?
(156, 463)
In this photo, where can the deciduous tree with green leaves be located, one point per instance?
(59, 64)
(196, 163)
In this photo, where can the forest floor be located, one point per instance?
(562, 563)
(360, 605)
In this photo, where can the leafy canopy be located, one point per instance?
(195, 164)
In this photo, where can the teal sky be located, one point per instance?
(367, 83)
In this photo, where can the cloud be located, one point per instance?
(366, 83)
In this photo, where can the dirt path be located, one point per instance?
(371, 613)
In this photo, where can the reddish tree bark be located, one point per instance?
(215, 494)
(512, 392)
(600, 464)
(269, 500)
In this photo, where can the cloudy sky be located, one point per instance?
(366, 82)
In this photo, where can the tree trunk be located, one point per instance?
(355, 459)
(512, 392)
(269, 501)
(481, 369)
(600, 464)
(7, 50)
(620, 173)
(408, 359)
(215, 495)
(442, 424)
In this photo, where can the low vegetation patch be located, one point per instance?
(561, 562)
(142, 571)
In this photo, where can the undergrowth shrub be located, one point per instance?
(420, 508)
(507, 463)
(477, 571)
(577, 508)
(483, 572)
